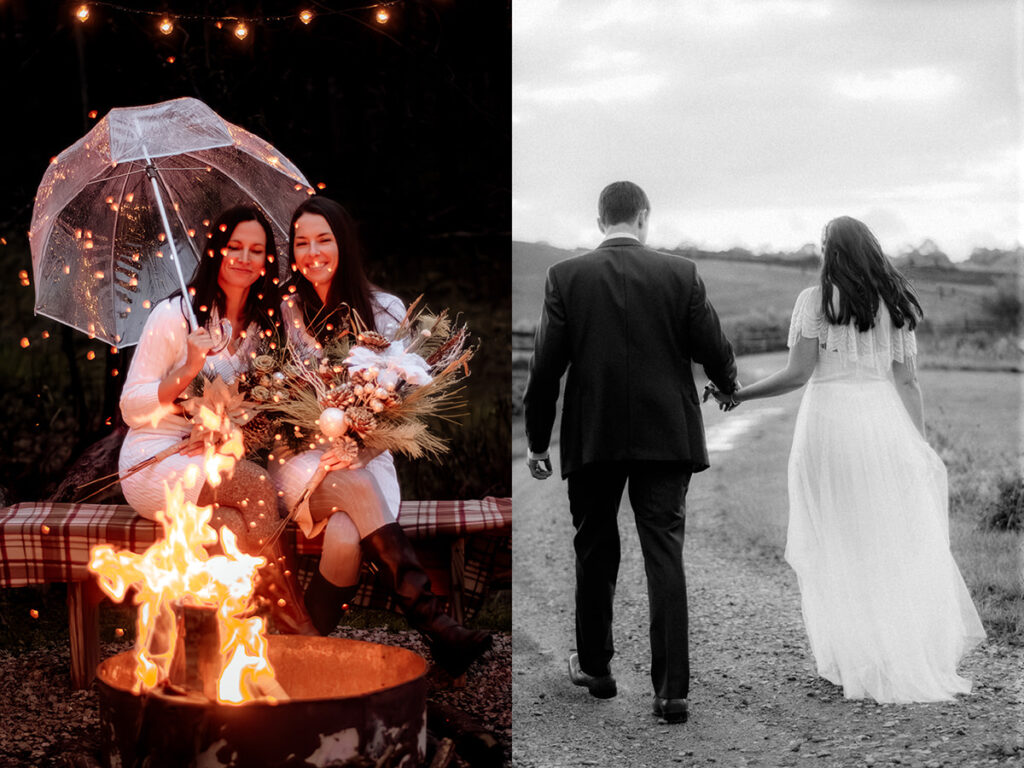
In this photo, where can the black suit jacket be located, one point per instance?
(626, 321)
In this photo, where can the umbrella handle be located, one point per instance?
(225, 330)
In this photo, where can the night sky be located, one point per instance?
(406, 123)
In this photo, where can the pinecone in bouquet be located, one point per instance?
(264, 382)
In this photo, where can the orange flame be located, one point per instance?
(177, 570)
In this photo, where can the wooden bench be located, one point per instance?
(46, 542)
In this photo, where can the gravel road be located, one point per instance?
(755, 698)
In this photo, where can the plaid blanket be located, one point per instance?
(43, 542)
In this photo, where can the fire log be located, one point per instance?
(474, 743)
(197, 660)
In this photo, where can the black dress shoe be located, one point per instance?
(603, 687)
(671, 710)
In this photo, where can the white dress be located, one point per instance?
(887, 613)
(153, 427)
(291, 477)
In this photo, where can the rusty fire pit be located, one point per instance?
(352, 703)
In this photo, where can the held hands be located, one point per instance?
(725, 402)
(540, 465)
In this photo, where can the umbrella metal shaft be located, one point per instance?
(151, 172)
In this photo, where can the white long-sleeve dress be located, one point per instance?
(887, 613)
(153, 427)
(291, 477)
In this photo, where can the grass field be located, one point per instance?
(976, 426)
(739, 289)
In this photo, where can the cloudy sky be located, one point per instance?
(753, 122)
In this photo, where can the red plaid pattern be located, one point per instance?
(44, 542)
(432, 519)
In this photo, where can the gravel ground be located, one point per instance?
(44, 721)
(755, 698)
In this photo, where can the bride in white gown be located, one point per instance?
(887, 613)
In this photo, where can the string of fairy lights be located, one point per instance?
(166, 22)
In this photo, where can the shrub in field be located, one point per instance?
(1004, 308)
(1006, 513)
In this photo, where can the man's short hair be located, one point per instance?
(620, 202)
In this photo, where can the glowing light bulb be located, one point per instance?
(92, 114)
(382, 15)
(166, 26)
(241, 31)
(306, 16)
(82, 13)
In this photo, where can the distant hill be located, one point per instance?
(732, 282)
(995, 260)
(530, 262)
(753, 286)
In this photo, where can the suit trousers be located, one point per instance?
(657, 493)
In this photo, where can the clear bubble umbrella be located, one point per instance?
(121, 216)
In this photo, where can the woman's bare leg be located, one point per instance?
(336, 581)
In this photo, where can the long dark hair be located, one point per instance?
(350, 289)
(263, 302)
(855, 266)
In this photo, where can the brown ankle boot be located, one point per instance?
(326, 602)
(277, 583)
(453, 646)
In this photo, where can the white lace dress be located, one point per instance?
(153, 427)
(887, 613)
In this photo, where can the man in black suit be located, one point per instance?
(626, 322)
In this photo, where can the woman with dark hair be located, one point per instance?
(887, 613)
(235, 301)
(356, 505)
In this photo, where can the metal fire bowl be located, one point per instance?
(352, 704)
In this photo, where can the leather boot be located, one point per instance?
(325, 602)
(277, 582)
(453, 646)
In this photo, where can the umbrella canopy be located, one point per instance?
(122, 215)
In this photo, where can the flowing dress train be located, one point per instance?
(887, 613)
